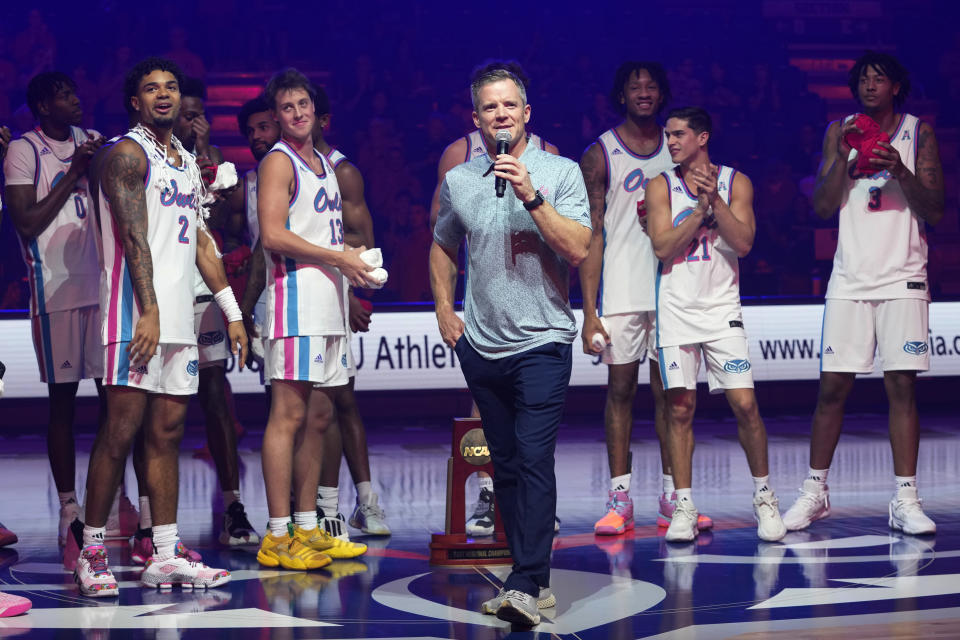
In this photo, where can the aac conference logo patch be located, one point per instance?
(193, 367)
(916, 347)
(736, 366)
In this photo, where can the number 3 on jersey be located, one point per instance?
(336, 232)
(876, 199)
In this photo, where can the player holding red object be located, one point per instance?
(878, 297)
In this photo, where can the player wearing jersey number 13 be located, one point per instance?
(701, 223)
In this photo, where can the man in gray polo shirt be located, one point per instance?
(515, 346)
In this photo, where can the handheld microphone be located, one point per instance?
(503, 144)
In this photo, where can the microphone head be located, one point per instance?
(503, 135)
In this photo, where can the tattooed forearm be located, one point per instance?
(595, 178)
(924, 189)
(123, 184)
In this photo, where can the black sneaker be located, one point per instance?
(481, 523)
(237, 530)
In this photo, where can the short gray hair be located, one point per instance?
(495, 75)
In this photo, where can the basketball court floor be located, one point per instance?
(848, 576)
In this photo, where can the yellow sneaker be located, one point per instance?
(269, 545)
(319, 540)
(299, 557)
(289, 553)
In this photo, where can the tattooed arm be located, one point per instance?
(122, 181)
(594, 170)
(923, 189)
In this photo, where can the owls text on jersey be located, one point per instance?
(476, 146)
(882, 244)
(698, 291)
(307, 299)
(629, 264)
(62, 261)
(172, 220)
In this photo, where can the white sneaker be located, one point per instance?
(519, 608)
(545, 600)
(482, 521)
(683, 525)
(813, 504)
(68, 513)
(93, 574)
(766, 509)
(906, 513)
(335, 525)
(370, 518)
(180, 570)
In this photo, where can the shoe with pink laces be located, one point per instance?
(93, 574)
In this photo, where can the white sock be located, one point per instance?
(230, 496)
(364, 490)
(620, 483)
(145, 520)
(486, 482)
(165, 539)
(905, 481)
(328, 499)
(278, 526)
(685, 495)
(820, 475)
(306, 520)
(66, 496)
(761, 484)
(93, 535)
(668, 487)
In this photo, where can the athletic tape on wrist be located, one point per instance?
(228, 304)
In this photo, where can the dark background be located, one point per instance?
(772, 73)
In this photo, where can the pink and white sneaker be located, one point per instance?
(179, 569)
(93, 575)
(619, 516)
(668, 505)
(11, 605)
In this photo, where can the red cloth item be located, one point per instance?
(866, 142)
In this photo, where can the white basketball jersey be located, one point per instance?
(172, 221)
(698, 291)
(476, 146)
(336, 158)
(63, 264)
(629, 264)
(307, 299)
(882, 244)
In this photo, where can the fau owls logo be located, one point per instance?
(736, 366)
(916, 347)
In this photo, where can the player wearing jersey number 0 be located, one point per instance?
(878, 296)
(701, 223)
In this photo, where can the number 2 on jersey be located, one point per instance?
(876, 199)
(336, 232)
(184, 225)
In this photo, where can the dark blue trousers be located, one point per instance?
(521, 399)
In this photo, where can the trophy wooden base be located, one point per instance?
(458, 550)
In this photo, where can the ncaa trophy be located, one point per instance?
(454, 547)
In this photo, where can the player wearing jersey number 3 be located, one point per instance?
(878, 298)
(701, 223)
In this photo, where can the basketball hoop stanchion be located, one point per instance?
(454, 547)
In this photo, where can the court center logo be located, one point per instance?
(736, 366)
(584, 600)
(916, 347)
